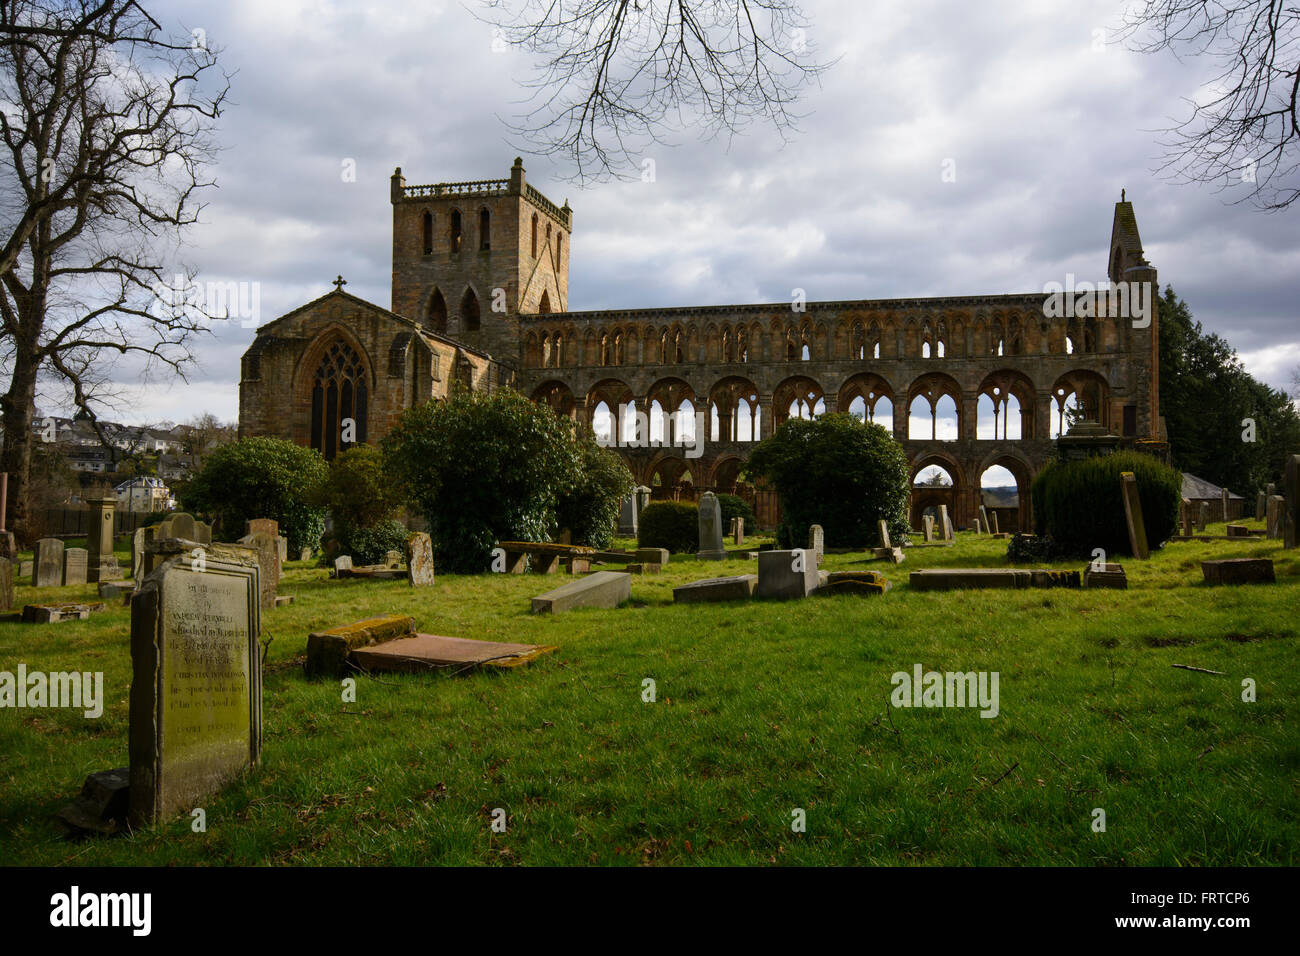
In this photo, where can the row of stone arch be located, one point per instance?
(738, 411)
(1002, 332)
(468, 317)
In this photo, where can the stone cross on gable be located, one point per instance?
(339, 283)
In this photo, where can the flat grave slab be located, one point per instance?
(854, 582)
(1112, 577)
(424, 652)
(1239, 571)
(951, 579)
(604, 589)
(736, 588)
(327, 651)
(55, 613)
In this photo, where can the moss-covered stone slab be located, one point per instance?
(327, 651)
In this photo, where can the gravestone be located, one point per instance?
(787, 574)
(268, 562)
(945, 523)
(48, 564)
(994, 516)
(1291, 506)
(651, 555)
(1203, 518)
(627, 517)
(1239, 571)
(738, 588)
(268, 525)
(179, 525)
(196, 688)
(976, 525)
(393, 559)
(102, 563)
(142, 538)
(8, 546)
(1225, 503)
(202, 532)
(604, 589)
(984, 518)
(1261, 502)
(25, 568)
(75, 562)
(6, 585)
(1275, 516)
(817, 541)
(304, 554)
(1238, 531)
(641, 494)
(1108, 576)
(343, 563)
(927, 524)
(738, 538)
(883, 525)
(419, 560)
(1137, 532)
(1189, 526)
(710, 529)
(283, 543)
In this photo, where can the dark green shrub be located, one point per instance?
(674, 525)
(836, 471)
(590, 506)
(1078, 504)
(371, 545)
(734, 506)
(358, 493)
(262, 478)
(482, 467)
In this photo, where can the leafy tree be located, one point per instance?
(674, 525)
(1206, 395)
(734, 506)
(359, 494)
(837, 471)
(263, 478)
(483, 467)
(590, 506)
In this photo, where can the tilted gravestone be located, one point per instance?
(1261, 502)
(6, 585)
(75, 563)
(196, 688)
(738, 537)
(884, 533)
(1276, 516)
(1137, 532)
(47, 569)
(139, 541)
(1291, 515)
(1203, 517)
(984, 519)
(268, 561)
(102, 562)
(710, 529)
(604, 589)
(419, 560)
(994, 516)
(945, 523)
(817, 541)
(738, 588)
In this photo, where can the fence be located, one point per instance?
(74, 522)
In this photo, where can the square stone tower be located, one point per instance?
(469, 257)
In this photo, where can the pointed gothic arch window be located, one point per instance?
(428, 233)
(484, 229)
(534, 235)
(544, 307)
(437, 318)
(339, 401)
(469, 318)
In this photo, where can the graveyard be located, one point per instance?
(1130, 700)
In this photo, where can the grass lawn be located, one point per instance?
(762, 708)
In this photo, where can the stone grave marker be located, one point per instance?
(304, 554)
(787, 574)
(202, 532)
(196, 689)
(101, 562)
(627, 517)
(6, 585)
(652, 555)
(139, 541)
(268, 561)
(1203, 518)
(1189, 526)
(48, 564)
(817, 541)
(393, 559)
(25, 568)
(604, 589)
(883, 525)
(343, 563)
(976, 525)
(1238, 531)
(738, 588)
(419, 560)
(945, 523)
(994, 516)
(1261, 502)
(1225, 503)
(927, 523)
(738, 536)
(268, 525)
(1137, 532)
(1276, 510)
(179, 525)
(984, 518)
(710, 529)
(283, 543)
(1239, 571)
(75, 563)
(1291, 503)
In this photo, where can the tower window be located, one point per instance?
(484, 230)
(534, 235)
(469, 311)
(455, 230)
(428, 233)
(437, 312)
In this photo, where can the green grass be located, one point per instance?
(762, 708)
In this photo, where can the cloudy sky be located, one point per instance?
(1043, 130)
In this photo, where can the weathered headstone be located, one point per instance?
(1275, 517)
(652, 555)
(343, 563)
(1137, 532)
(1189, 526)
(268, 525)
(627, 517)
(1203, 518)
(283, 543)
(883, 527)
(112, 590)
(604, 589)
(305, 554)
(1261, 502)
(75, 562)
(1109, 576)
(6, 585)
(787, 574)
(738, 536)
(710, 529)
(101, 562)
(976, 525)
(1238, 531)
(202, 532)
(945, 523)
(927, 523)
(179, 525)
(1239, 571)
(25, 569)
(8, 546)
(48, 564)
(817, 541)
(393, 559)
(196, 689)
(139, 540)
(419, 560)
(984, 518)
(994, 516)
(268, 562)
(738, 588)
(1291, 513)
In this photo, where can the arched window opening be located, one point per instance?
(742, 345)
(469, 311)
(339, 401)
(484, 230)
(602, 423)
(437, 318)
(544, 307)
(679, 349)
(428, 233)
(534, 235)
(925, 349)
(455, 230)
(804, 353)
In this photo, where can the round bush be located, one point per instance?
(836, 471)
(1078, 504)
(734, 506)
(263, 478)
(674, 525)
(371, 545)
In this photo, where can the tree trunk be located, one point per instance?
(18, 406)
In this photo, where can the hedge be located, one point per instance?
(674, 525)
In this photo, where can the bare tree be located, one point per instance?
(612, 75)
(1241, 133)
(107, 128)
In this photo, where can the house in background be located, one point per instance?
(144, 494)
(1197, 490)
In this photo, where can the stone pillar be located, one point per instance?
(900, 419)
(969, 411)
(102, 563)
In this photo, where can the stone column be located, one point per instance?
(101, 563)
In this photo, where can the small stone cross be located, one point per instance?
(339, 283)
